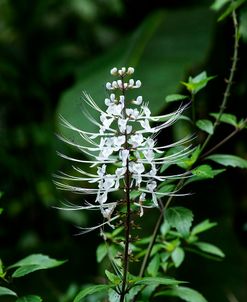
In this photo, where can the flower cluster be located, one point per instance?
(124, 148)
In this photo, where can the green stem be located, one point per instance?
(229, 81)
(127, 218)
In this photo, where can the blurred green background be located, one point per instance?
(52, 50)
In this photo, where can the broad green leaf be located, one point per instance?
(4, 291)
(218, 4)
(101, 252)
(209, 248)
(154, 265)
(157, 281)
(184, 293)
(178, 256)
(166, 189)
(113, 296)
(188, 162)
(226, 118)
(203, 171)
(198, 177)
(197, 83)
(233, 6)
(90, 291)
(175, 97)
(176, 47)
(202, 227)
(165, 227)
(205, 125)
(33, 263)
(229, 160)
(29, 298)
(180, 218)
(112, 277)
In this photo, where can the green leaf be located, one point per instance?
(4, 291)
(180, 218)
(202, 227)
(90, 291)
(184, 293)
(153, 38)
(1, 210)
(153, 266)
(112, 277)
(209, 248)
(187, 163)
(229, 160)
(176, 97)
(113, 296)
(197, 83)
(168, 188)
(101, 252)
(233, 6)
(178, 256)
(165, 227)
(29, 298)
(205, 125)
(33, 263)
(157, 281)
(203, 171)
(218, 4)
(226, 118)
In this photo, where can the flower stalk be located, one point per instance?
(126, 157)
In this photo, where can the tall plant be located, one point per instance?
(126, 161)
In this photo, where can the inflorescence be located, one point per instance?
(124, 150)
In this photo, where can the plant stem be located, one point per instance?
(156, 229)
(127, 218)
(229, 81)
(127, 236)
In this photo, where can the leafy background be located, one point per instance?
(51, 50)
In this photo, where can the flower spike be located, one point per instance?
(124, 150)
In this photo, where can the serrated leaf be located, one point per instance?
(198, 178)
(194, 85)
(166, 189)
(226, 118)
(4, 291)
(229, 160)
(178, 256)
(90, 291)
(209, 248)
(153, 266)
(33, 263)
(202, 227)
(203, 171)
(205, 125)
(184, 293)
(157, 281)
(29, 298)
(186, 163)
(101, 252)
(231, 7)
(112, 277)
(176, 97)
(180, 218)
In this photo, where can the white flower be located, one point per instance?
(136, 140)
(124, 149)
